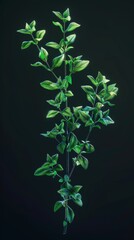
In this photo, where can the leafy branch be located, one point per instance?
(99, 94)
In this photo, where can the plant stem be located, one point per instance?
(67, 135)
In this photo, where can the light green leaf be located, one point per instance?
(52, 113)
(57, 24)
(40, 34)
(58, 14)
(57, 206)
(72, 26)
(23, 31)
(33, 24)
(88, 89)
(80, 65)
(93, 80)
(69, 93)
(71, 38)
(58, 168)
(26, 44)
(53, 45)
(49, 85)
(43, 54)
(37, 64)
(57, 61)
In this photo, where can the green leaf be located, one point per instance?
(84, 117)
(69, 93)
(66, 178)
(89, 148)
(63, 192)
(71, 38)
(69, 214)
(49, 85)
(57, 206)
(26, 44)
(40, 34)
(69, 79)
(57, 24)
(72, 26)
(77, 188)
(73, 141)
(53, 45)
(61, 147)
(78, 148)
(78, 201)
(23, 31)
(106, 121)
(52, 113)
(58, 14)
(59, 168)
(66, 14)
(67, 112)
(83, 161)
(93, 80)
(88, 89)
(43, 54)
(57, 61)
(90, 98)
(33, 24)
(37, 64)
(80, 65)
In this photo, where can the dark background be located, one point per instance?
(106, 38)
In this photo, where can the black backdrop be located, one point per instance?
(106, 38)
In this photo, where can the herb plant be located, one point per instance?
(99, 94)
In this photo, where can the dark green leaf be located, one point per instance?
(57, 206)
(77, 188)
(106, 121)
(61, 147)
(69, 214)
(83, 161)
(73, 141)
(69, 79)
